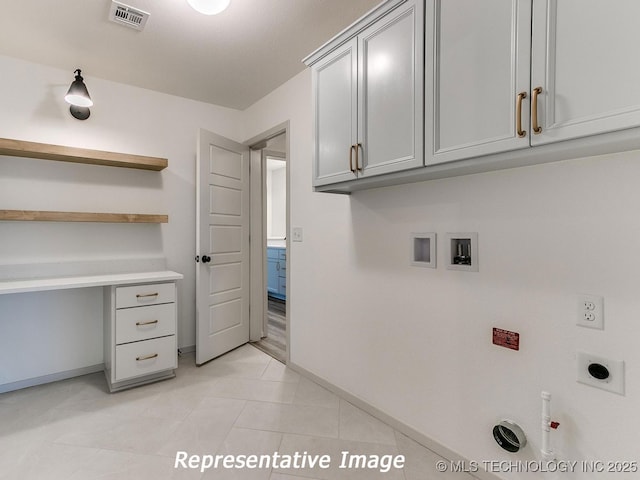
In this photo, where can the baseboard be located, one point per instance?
(403, 428)
(54, 377)
(188, 349)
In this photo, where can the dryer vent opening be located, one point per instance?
(509, 436)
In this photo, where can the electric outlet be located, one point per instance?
(601, 372)
(591, 312)
(296, 234)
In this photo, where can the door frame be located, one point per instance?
(258, 229)
(265, 154)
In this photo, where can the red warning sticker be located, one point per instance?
(507, 339)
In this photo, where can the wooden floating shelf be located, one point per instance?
(44, 151)
(41, 216)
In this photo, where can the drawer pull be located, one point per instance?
(151, 322)
(146, 357)
(147, 295)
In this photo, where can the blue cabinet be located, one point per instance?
(277, 272)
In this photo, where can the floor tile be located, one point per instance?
(290, 419)
(255, 389)
(282, 476)
(204, 430)
(245, 442)
(279, 372)
(310, 393)
(355, 424)
(344, 465)
(243, 403)
(421, 462)
(110, 465)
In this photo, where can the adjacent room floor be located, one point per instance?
(242, 403)
(275, 343)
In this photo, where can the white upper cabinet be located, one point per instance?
(335, 90)
(480, 60)
(390, 92)
(467, 86)
(510, 74)
(585, 61)
(368, 88)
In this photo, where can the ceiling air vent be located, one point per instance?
(128, 16)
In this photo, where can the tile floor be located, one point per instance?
(243, 403)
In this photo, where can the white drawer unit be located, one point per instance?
(140, 334)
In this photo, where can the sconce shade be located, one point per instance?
(78, 94)
(209, 7)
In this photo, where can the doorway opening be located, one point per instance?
(270, 248)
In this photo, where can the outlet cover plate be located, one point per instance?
(615, 381)
(296, 234)
(590, 312)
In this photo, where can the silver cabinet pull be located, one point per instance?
(150, 322)
(146, 357)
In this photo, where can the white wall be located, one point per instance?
(124, 119)
(277, 201)
(416, 343)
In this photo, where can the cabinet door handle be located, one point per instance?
(147, 295)
(537, 129)
(278, 266)
(151, 322)
(351, 148)
(520, 131)
(358, 147)
(146, 357)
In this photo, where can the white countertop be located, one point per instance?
(277, 243)
(61, 283)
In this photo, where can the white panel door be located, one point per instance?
(391, 92)
(222, 244)
(335, 115)
(481, 63)
(585, 60)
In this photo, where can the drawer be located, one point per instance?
(272, 253)
(146, 357)
(149, 294)
(282, 254)
(142, 323)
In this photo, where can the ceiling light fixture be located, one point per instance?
(78, 97)
(209, 7)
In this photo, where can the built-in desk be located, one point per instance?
(61, 283)
(140, 321)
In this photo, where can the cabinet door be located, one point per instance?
(391, 92)
(335, 115)
(584, 57)
(273, 281)
(480, 63)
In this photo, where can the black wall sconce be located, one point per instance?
(78, 97)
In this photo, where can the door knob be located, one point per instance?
(206, 258)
